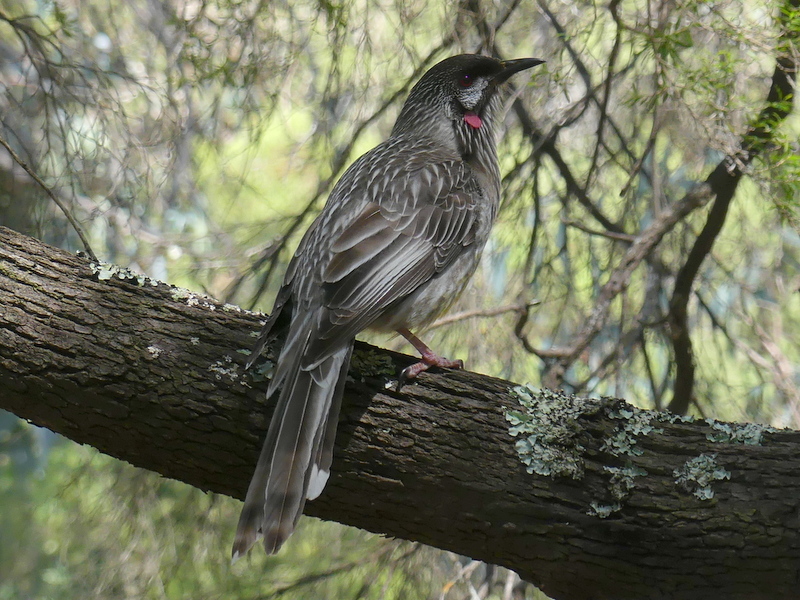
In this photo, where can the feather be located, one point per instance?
(296, 455)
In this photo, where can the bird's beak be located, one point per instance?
(515, 66)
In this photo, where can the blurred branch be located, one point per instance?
(723, 182)
(86, 246)
(619, 237)
(483, 313)
(547, 143)
(591, 91)
(604, 103)
(638, 251)
(559, 359)
(548, 146)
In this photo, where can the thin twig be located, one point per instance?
(612, 235)
(16, 158)
(483, 313)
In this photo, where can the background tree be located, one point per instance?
(195, 141)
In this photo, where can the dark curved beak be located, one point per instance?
(510, 67)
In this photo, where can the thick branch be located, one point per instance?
(153, 375)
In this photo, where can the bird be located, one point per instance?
(399, 237)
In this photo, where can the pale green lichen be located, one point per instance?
(749, 434)
(548, 430)
(633, 423)
(261, 371)
(621, 483)
(178, 294)
(668, 417)
(191, 298)
(697, 474)
(225, 368)
(105, 271)
(603, 511)
(623, 479)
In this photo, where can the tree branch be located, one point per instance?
(618, 282)
(548, 146)
(723, 182)
(638, 504)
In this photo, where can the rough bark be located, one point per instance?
(642, 505)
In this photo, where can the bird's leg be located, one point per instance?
(429, 359)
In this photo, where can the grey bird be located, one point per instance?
(397, 241)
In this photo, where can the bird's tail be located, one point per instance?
(295, 461)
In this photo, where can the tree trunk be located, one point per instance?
(622, 503)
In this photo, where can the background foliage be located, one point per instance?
(195, 140)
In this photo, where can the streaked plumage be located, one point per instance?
(396, 243)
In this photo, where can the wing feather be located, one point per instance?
(366, 279)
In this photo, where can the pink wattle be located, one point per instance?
(473, 120)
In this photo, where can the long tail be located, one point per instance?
(295, 461)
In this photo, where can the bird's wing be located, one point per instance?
(418, 219)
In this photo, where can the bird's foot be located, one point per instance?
(429, 359)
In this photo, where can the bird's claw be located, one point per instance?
(428, 360)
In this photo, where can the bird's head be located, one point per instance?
(455, 98)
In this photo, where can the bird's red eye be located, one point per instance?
(466, 81)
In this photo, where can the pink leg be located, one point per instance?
(429, 359)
